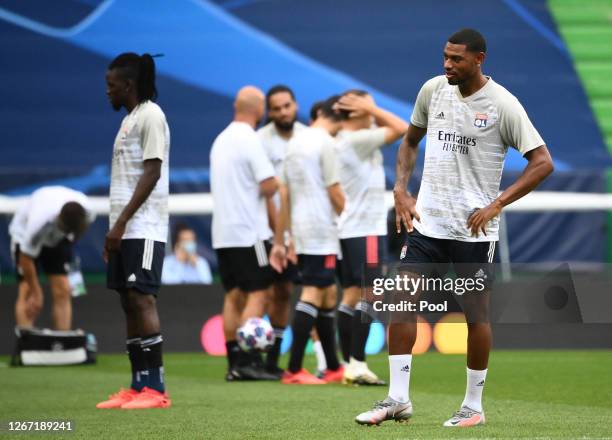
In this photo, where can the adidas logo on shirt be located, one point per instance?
(440, 115)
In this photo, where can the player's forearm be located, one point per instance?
(336, 197)
(282, 217)
(390, 120)
(539, 167)
(272, 213)
(143, 190)
(406, 159)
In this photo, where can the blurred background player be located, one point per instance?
(473, 120)
(363, 224)
(282, 126)
(135, 245)
(43, 232)
(311, 198)
(242, 179)
(184, 265)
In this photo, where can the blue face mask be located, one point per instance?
(189, 247)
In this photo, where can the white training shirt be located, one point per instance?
(34, 224)
(467, 141)
(276, 147)
(310, 168)
(238, 164)
(144, 134)
(362, 176)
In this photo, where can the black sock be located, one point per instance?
(152, 349)
(232, 353)
(138, 363)
(303, 320)
(345, 315)
(360, 327)
(274, 352)
(325, 329)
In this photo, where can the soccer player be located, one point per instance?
(242, 179)
(282, 114)
(312, 191)
(43, 232)
(363, 224)
(135, 245)
(470, 121)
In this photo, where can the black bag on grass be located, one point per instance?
(45, 347)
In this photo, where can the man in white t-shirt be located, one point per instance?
(470, 121)
(43, 232)
(311, 199)
(282, 126)
(363, 224)
(242, 179)
(135, 244)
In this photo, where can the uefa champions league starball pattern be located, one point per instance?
(255, 335)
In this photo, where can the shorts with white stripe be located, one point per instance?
(137, 265)
(433, 257)
(247, 268)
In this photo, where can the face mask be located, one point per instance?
(189, 247)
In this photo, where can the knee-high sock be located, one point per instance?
(303, 320)
(138, 363)
(274, 353)
(345, 316)
(360, 329)
(152, 348)
(327, 335)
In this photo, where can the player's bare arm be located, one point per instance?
(539, 166)
(405, 204)
(279, 253)
(268, 187)
(336, 196)
(395, 126)
(144, 187)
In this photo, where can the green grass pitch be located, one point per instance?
(544, 394)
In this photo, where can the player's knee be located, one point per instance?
(141, 303)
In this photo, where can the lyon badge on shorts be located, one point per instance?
(480, 120)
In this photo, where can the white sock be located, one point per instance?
(321, 362)
(399, 374)
(473, 390)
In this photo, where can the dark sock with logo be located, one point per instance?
(138, 364)
(303, 320)
(152, 349)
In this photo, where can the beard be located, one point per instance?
(285, 126)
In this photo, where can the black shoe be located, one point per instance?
(233, 375)
(275, 371)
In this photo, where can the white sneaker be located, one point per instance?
(466, 417)
(387, 409)
(358, 373)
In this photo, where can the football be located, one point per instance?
(255, 335)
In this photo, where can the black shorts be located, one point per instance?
(247, 268)
(356, 253)
(290, 274)
(137, 265)
(433, 257)
(317, 270)
(52, 260)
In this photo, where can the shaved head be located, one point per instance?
(249, 99)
